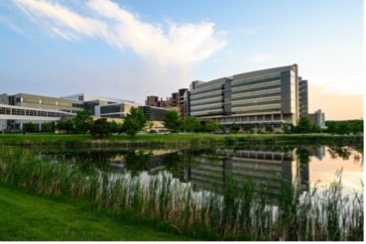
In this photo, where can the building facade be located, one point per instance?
(318, 118)
(176, 101)
(268, 97)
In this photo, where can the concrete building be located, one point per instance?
(318, 118)
(114, 110)
(261, 98)
(18, 109)
(176, 101)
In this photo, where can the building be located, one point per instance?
(18, 109)
(318, 118)
(91, 102)
(256, 99)
(114, 110)
(267, 169)
(175, 101)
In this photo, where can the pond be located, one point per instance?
(208, 169)
(254, 192)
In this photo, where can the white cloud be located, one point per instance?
(168, 53)
(182, 44)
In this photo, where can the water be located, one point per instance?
(208, 169)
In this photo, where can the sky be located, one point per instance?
(131, 49)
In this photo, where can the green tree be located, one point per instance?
(48, 126)
(134, 122)
(115, 127)
(29, 127)
(286, 128)
(172, 120)
(211, 125)
(191, 124)
(83, 121)
(66, 125)
(269, 129)
(304, 125)
(101, 128)
(234, 128)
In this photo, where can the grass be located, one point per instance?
(184, 139)
(27, 217)
(237, 213)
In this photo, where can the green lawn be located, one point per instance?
(26, 217)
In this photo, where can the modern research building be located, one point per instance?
(269, 97)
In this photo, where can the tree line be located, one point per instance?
(135, 121)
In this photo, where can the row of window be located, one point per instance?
(242, 82)
(257, 108)
(206, 101)
(273, 99)
(207, 89)
(254, 93)
(263, 85)
(195, 97)
(29, 112)
(262, 88)
(237, 98)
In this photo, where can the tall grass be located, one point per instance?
(237, 213)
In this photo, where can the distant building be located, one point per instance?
(176, 101)
(318, 118)
(21, 108)
(257, 99)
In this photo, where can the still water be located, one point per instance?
(207, 169)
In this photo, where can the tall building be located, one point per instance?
(176, 101)
(261, 98)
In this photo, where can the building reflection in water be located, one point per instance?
(267, 170)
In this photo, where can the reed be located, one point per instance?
(238, 212)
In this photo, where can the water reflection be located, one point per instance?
(210, 169)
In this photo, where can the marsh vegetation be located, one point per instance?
(232, 210)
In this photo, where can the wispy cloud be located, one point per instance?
(181, 44)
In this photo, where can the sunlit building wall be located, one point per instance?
(264, 97)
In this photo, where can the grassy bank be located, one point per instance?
(178, 140)
(235, 214)
(27, 217)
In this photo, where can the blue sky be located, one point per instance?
(132, 48)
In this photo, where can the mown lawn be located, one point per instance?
(26, 217)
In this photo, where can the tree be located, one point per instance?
(234, 128)
(269, 129)
(134, 122)
(115, 127)
(66, 125)
(304, 125)
(286, 128)
(191, 124)
(83, 121)
(211, 125)
(172, 120)
(101, 128)
(48, 126)
(29, 127)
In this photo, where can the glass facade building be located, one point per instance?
(266, 97)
